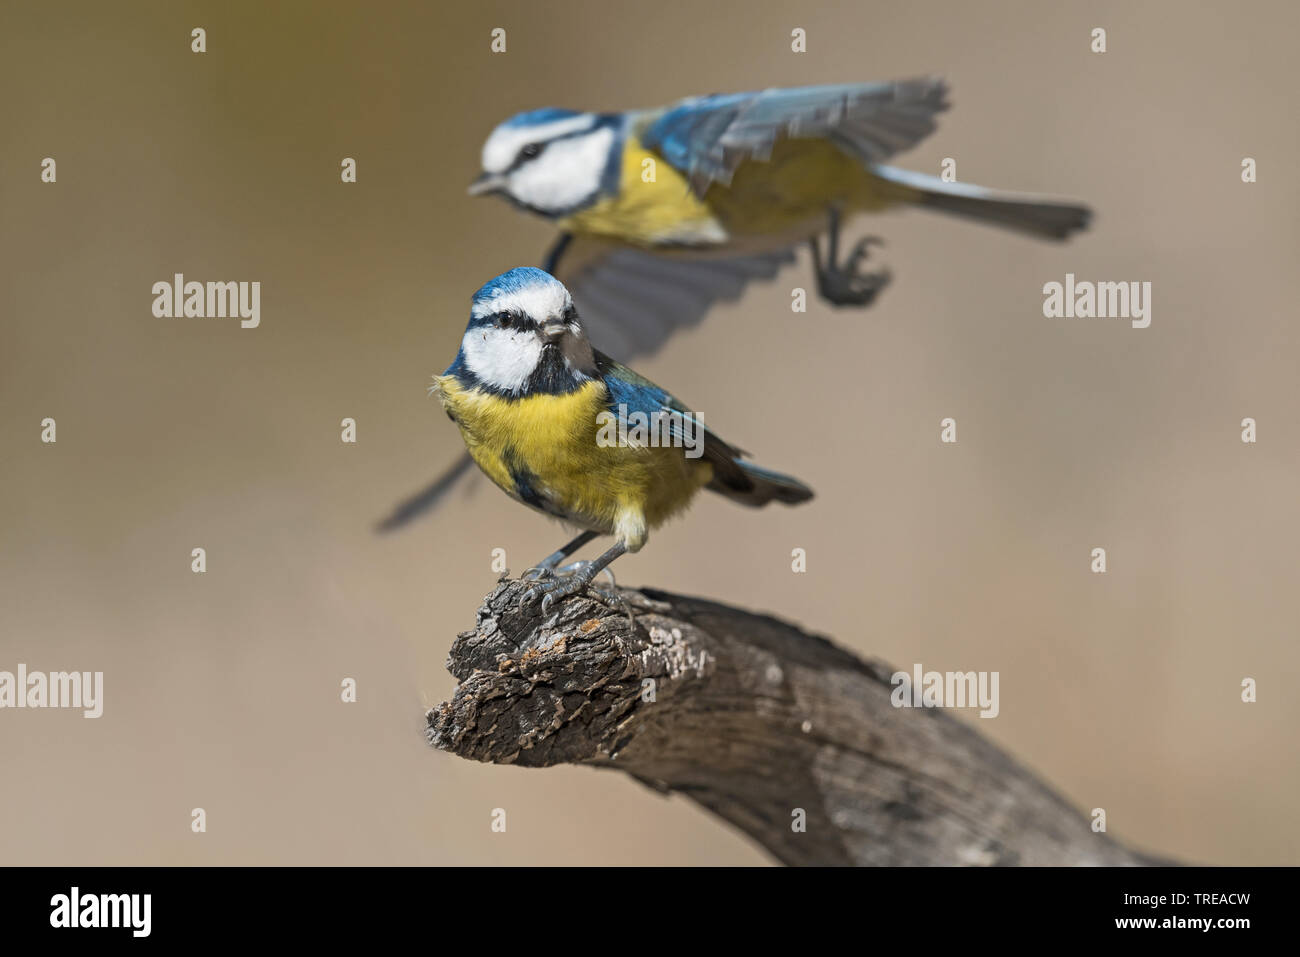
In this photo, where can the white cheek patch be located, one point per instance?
(566, 174)
(505, 142)
(502, 358)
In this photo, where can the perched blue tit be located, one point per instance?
(663, 212)
(568, 431)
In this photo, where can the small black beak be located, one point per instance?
(553, 330)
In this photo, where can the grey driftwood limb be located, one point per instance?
(751, 718)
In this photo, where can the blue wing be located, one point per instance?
(740, 481)
(630, 392)
(708, 137)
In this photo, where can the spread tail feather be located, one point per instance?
(755, 486)
(1025, 212)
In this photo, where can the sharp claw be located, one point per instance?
(616, 600)
(861, 250)
(547, 601)
(845, 283)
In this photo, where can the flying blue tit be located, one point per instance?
(568, 431)
(664, 212)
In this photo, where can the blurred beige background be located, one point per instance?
(222, 689)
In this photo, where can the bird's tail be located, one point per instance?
(427, 498)
(755, 486)
(1024, 212)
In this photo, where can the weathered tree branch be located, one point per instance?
(750, 718)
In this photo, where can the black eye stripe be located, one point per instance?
(533, 150)
(529, 151)
(512, 320)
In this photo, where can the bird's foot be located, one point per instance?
(551, 590)
(538, 573)
(554, 585)
(847, 284)
(610, 596)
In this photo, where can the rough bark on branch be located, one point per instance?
(750, 718)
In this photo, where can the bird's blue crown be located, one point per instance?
(547, 114)
(514, 281)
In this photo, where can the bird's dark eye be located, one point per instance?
(530, 151)
(505, 320)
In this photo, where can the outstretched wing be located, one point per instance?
(708, 137)
(632, 300)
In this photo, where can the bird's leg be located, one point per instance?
(546, 567)
(846, 284)
(556, 251)
(575, 567)
(552, 590)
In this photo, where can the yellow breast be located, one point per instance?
(543, 450)
(654, 205)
